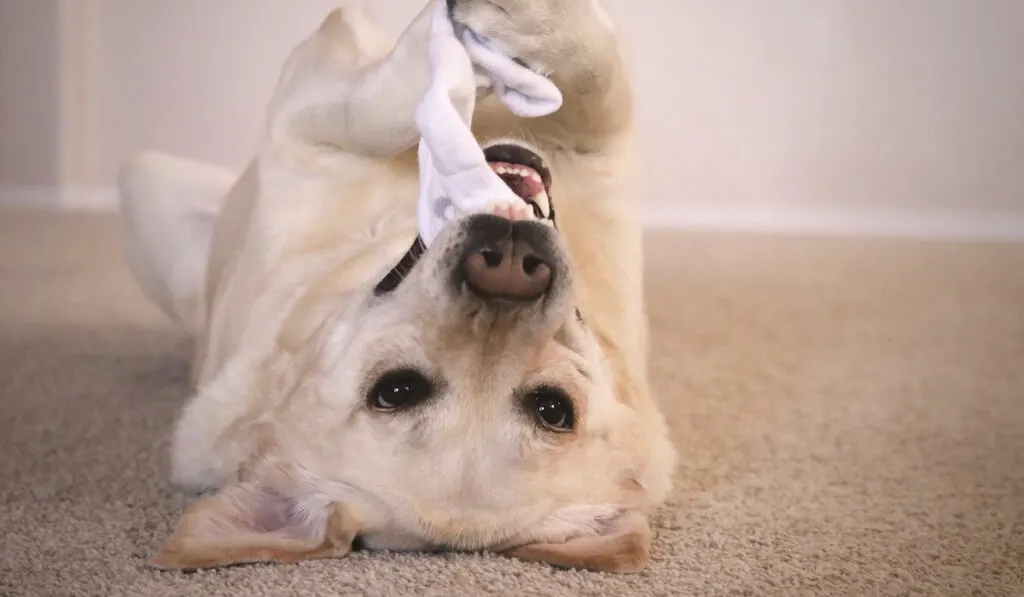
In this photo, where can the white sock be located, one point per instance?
(455, 179)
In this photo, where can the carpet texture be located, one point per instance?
(850, 417)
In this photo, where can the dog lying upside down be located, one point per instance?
(489, 394)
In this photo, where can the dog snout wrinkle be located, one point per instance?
(507, 261)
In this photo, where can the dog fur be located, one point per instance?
(272, 273)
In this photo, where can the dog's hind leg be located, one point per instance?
(168, 209)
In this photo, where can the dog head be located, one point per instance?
(461, 404)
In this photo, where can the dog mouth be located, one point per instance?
(524, 172)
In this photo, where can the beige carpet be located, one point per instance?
(850, 416)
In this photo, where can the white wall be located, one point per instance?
(909, 103)
(749, 109)
(193, 76)
(29, 93)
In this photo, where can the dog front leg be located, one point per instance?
(578, 45)
(344, 89)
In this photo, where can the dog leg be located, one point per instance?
(576, 43)
(363, 103)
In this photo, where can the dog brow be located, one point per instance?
(566, 338)
(583, 371)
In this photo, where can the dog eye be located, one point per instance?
(400, 389)
(553, 409)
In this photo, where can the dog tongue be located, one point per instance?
(525, 187)
(523, 180)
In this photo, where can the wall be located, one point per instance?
(901, 114)
(841, 104)
(193, 76)
(29, 94)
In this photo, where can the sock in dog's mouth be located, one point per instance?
(523, 171)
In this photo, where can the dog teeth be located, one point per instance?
(520, 172)
(542, 201)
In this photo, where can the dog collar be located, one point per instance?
(404, 267)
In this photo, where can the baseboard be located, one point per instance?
(897, 223)
(863, 222)
(74, 199)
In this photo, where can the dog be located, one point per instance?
(487, 393)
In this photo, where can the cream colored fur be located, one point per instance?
(273, 274)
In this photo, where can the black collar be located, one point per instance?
(400, 271)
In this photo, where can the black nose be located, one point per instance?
(505, 260)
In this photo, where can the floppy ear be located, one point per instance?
(624, 548)
(249, 523)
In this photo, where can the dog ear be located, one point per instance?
(624, 548)
(250, 523)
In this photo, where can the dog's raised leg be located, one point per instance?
(347, 88)
(577, 45)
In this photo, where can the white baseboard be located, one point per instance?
(963, 225)
(74, 199)
(896, 223)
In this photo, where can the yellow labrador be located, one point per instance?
(488, 393)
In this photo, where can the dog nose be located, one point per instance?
(503, 263)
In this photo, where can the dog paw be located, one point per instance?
(544, 35)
